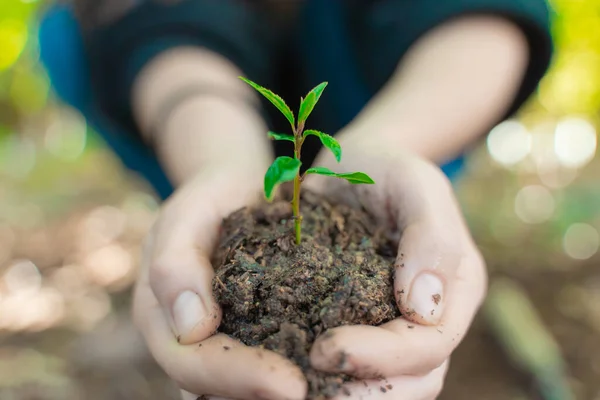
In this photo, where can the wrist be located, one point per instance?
(373, 137)
(436, 135)
(209, 133)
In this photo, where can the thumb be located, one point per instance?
(434, 238)
(180, 271)
(182, 283)
(425, 270)
(180, 274)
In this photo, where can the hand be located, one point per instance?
(173, 303)
(440, 277)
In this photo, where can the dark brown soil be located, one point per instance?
(281, 296)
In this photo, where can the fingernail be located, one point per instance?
(188, 311)
(426, 297)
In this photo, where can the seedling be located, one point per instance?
(286, 169)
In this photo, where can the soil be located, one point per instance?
(281, 296)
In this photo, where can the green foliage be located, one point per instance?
(352, 177)
(281, 136)
(308, 103)
(328, 141)
(283, 169)
(286, 169)
(274, 99)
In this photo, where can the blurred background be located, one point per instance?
(70, 232)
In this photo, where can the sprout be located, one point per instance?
(286, 169)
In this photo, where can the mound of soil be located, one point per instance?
(280, 296)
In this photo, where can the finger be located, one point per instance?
(179, 268)
(426, 387)
(401, 346)
(434, 245)
(219, 366)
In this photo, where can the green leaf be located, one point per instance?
(273, 98)
(357, 178)
(283, 169)
(352, 177)
(281, 136)
(320, 171)
(328, 141)
(308, 104)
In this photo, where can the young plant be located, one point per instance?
(286, 169)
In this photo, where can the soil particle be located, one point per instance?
(281, 296)
(343, 358)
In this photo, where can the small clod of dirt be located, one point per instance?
(282, 296)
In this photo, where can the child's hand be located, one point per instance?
(440, 278)
(173, 303)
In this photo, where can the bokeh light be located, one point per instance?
(90, 309)
(71, 280)
(22, 276)
(27, 304)
(558, 178)
(509, 142)
(100, 228)
(543, 154)
(109, 265)
(32, 311)
(581, 241)
(67, 134)
(575, 142)
(13, 37)
(572, 86)
(534, 204)
(17, 156)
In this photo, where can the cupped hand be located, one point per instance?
(173, 303)
(440, 277)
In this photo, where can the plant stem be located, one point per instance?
(296, 207)
(296, 199)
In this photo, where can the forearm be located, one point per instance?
(206, 130)
(449, 89)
